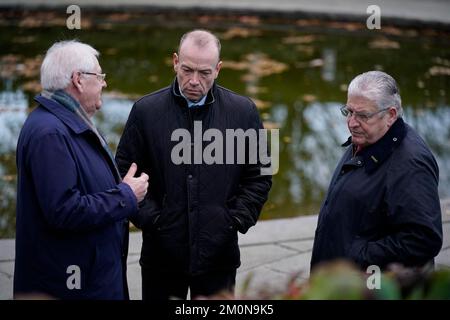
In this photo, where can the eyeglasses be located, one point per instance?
(360, 116)
(100, 76)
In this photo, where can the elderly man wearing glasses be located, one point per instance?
(72, 205)
(382, 205)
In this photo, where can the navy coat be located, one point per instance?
(382, 205)
(71, 210)
(192, 212)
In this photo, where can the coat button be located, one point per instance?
(359, 162)
(122, 204)
(190, 177)
(394, 139)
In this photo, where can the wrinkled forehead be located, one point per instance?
(207, 54)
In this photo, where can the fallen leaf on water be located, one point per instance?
(238, 32)
(111, 51)
(310, 64)
(299, 39)
(204, 19)
(252, 20)
(32, 67)
(106, 26)
(119, 17)
(439, 60)
(32, 86)
(306, 49)
(8, 177)
(271, 125)
(384, 43)
(41, 19)
(254, 90)
(349, 26)
(9, 65)
(392, 31)
(439, 71)
(309, 97)
(24, 40)
(258, 65)
(261, 104)
(234, 65)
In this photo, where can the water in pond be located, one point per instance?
(296, 71)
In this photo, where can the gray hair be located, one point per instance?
(379, 87)
(201, 38)
(62, 59)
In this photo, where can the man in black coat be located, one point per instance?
(382, 204)
(202, 193)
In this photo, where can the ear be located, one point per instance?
(218, 67)
(76, 81)
(392, 114)
(176, 61)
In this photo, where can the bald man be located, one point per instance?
(197, 202)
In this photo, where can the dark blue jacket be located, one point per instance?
(382, 205)
(71, 210)
(192, 212)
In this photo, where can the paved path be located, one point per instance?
(271, 252)
(434, 11)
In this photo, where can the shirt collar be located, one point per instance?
(375, 154)
(209, 98)
(193, 104)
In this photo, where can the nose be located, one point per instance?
(104, 84)
(194, 79)
(352, 122)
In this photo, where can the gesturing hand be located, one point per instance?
(139, 185)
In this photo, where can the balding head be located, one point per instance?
(202, 39)
(197, 63)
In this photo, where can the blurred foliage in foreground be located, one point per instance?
(341, 280)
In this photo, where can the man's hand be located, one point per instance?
(139, 185)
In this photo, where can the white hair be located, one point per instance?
(62, 59)
(379, 87)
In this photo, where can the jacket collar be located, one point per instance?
(70, 119)
(210, 98)
(375, 154)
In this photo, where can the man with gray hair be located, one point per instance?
(382, 205)
(72, 205)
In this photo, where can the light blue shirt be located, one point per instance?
(191, 103)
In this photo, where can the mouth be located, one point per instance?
(190, 91)
(356, 134)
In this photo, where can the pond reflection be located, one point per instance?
(297, 78)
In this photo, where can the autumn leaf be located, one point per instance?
(298, 39)
(384, 43)
(238, 32)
